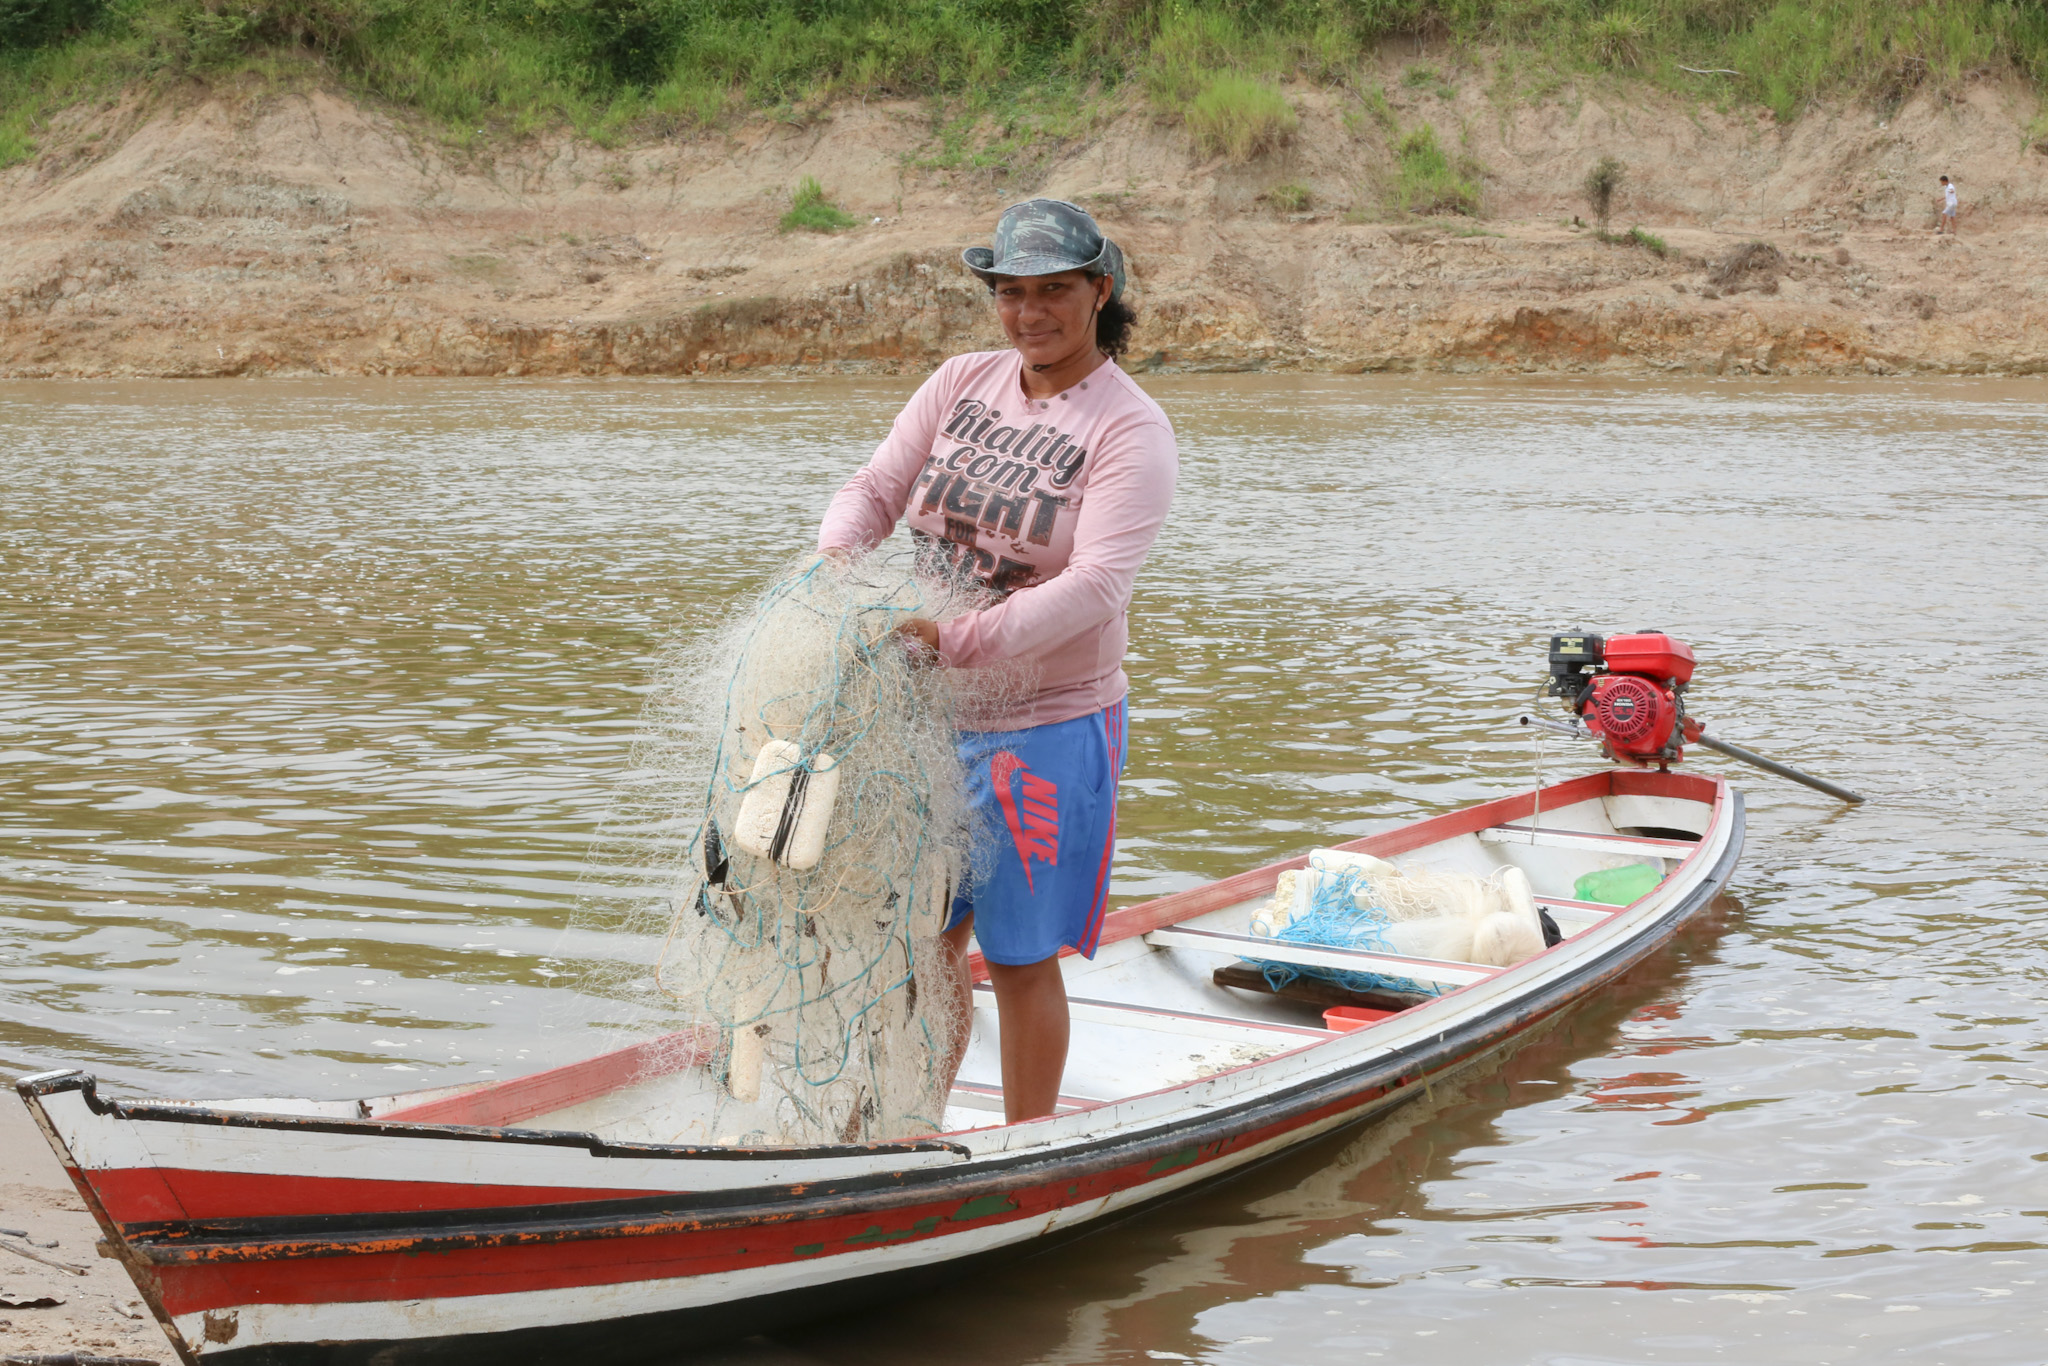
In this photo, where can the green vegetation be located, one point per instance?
(1648, 241)
(1293, 197)
(1619, 39)
(1239, 116)
(1601, 183)
(1373, 101)
(1218, 76)
(478, 69)
(810, 211)
(32, 23)
(1427, 180)
(1427, 78)
(1022, 130)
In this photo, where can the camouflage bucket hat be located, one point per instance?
(1045, 237)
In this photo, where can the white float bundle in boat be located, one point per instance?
(1355, 901)
(828, 832)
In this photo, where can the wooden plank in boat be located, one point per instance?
(1634, 846)
(1228, 1028)
(1571, 907)
(977, 1095)
(1595, 911)
(1315, 956)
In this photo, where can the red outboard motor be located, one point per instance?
(1631, 691)
(1628, 692)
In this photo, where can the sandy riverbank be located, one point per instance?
(46, 1308)
(307, 234)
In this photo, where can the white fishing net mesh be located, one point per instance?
(809, 1004)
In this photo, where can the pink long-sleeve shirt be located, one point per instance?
(1055, 500)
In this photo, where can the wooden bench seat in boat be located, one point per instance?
(1626, 846)
(986, 1097)
(1123, 1014)
(1317, 956)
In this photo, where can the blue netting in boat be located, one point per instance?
(1343, 913)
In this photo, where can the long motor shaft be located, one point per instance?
(1782, 770)
(1747, 756)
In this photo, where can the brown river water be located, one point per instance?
(314, 692)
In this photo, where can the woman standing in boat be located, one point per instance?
(1046, 472)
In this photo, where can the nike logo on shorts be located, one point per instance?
(1032, 815)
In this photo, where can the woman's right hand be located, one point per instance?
(923, 635)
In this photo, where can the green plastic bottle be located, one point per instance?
(1617, 886)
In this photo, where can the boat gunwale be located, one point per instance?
(52, 1083)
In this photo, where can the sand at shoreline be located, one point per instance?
(97, 1313)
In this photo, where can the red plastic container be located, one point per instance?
(1651, 654)
(1344, 1019)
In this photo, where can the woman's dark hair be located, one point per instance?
(1113, 328)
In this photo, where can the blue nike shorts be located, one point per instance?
(1046, 796)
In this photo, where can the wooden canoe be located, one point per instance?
(538, 1218)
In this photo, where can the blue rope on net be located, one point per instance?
(1343, 913)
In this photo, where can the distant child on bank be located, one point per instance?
(1947, 222)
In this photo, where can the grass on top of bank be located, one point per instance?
(617, 68)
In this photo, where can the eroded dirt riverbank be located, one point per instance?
(305, 234)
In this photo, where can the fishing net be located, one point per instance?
(1336, 909)
(799, 800)
(1353, 901)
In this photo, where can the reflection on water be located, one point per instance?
(314, 693)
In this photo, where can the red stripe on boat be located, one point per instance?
(627, 1256)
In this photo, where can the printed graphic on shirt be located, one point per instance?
(994, 483)
(1032, 815)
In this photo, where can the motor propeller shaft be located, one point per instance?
(1719, 747)
(1773, 766)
